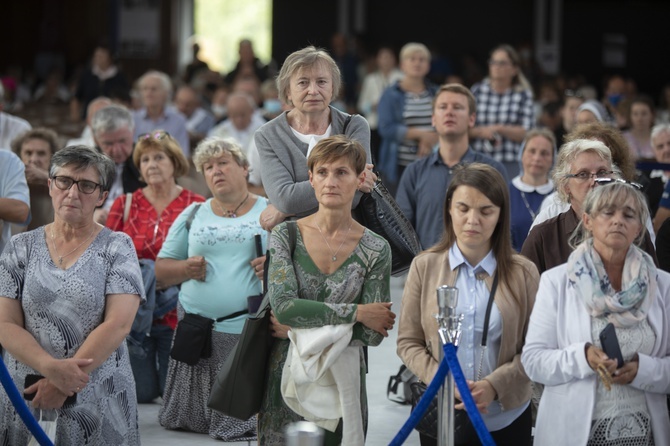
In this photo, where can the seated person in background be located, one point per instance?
(14, 195)
(272, 105)
(113, 128)
(374, 84)
(156, 112)
(658, 179)
(35, 148)
(581, 164)
(10, 126)
(571, 102)
(198, 120)
(86, 138)
(641, 117)
(532, 185)
(219, 105)
(242, 120)
(592, 111)
(424, 183)
(103, 78)
(146, 216)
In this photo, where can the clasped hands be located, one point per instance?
(482, 392)
(62, 378)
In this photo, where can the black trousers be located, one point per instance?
(516, 434)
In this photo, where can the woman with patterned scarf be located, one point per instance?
(588, 397)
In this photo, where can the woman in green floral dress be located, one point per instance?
(336, 272)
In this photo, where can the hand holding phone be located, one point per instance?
(610, 344)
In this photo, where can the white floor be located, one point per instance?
(386, 417)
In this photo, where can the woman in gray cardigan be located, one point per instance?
(308, 81)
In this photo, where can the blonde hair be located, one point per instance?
(216, 146)
(414, 47)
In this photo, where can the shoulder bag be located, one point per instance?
(379, 212)
(240, 384)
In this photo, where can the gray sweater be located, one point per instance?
(284, 161)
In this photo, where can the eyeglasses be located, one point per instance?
(84, 186)
(500, 63)
(573, 94)
(604, 181)
(157, 134)
(585, 176)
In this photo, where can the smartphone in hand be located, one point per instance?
(610, 344)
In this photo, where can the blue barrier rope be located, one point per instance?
(421, 407)
(21, 407)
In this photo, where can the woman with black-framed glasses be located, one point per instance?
(582, 163)
(69, 292)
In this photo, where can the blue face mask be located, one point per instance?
(614, 99)
(272, 106)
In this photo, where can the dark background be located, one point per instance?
(458, 29)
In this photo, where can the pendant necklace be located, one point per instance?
(333, 256)
(61, 257)
(231, 214)
(533, 214)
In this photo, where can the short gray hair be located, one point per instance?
(81, 158)
(567, 155)
(307, 57)
(216, 146)
(658, 129)
(112, 118)
(614, 195)
(162, 77)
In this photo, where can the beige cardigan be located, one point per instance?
(419, 344)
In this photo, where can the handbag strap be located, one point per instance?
(232, 316)
(126, 207)
(487, 317)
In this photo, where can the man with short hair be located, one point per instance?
(198, 120)
(156, 114)
(10, 126)
(242, 120)
(423, 185)
(113, 128)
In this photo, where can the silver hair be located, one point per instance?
(162, 77)
(567, 155)
(307, 57)
(658, 129)
(216, 146)
(112, 118)
(81, 158)
(246, 96)
(612, 196)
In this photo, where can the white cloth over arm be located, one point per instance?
(321, 380)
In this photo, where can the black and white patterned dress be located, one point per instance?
(61, 308)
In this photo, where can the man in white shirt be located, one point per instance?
(243, 120)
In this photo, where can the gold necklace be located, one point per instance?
(333, 256)
(231, 214)
(61, 257)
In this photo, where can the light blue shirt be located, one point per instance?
(228, 245)
(473, 297)
(172, 122)
(12, 185)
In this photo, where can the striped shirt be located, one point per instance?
(417, 114)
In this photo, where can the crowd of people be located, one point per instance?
(540, 206)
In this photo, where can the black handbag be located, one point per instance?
(379, 212)
(240, 384)
(464, 432)
(193, 337)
